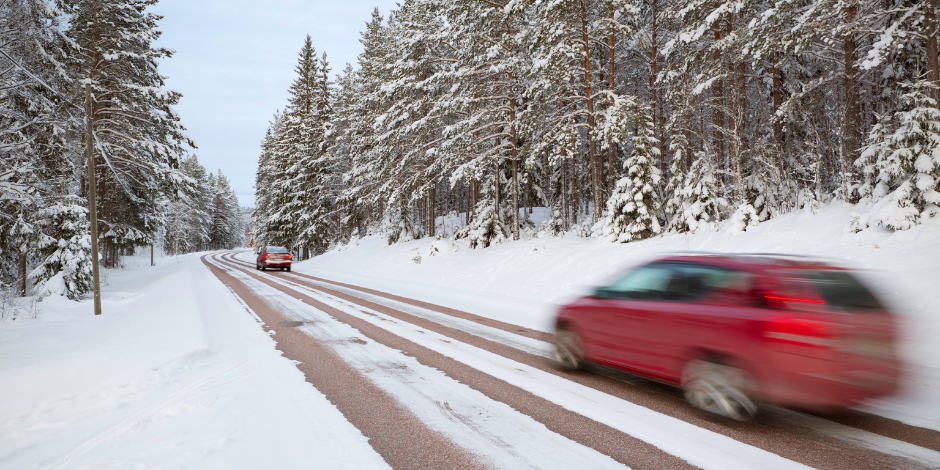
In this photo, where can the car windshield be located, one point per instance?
(842, 291)
(645, 283)
(277, 249)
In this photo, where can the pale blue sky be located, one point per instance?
(235, 60)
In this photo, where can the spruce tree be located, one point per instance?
(902, 163)
(65, 249)
(633, 209)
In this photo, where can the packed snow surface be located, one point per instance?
(524, 282)
(175, 373)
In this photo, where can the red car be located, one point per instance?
(273, 257)
(734, 330)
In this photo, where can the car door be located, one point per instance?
(705, 307)
(624, 317)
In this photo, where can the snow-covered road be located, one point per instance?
(491, 392)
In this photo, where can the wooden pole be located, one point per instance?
(92, 190)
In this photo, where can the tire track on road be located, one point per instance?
(397, 435)
(609, 441)
(804, 438)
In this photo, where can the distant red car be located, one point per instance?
(733, 330)
(273, 257)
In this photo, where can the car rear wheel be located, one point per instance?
(568, 349)
(719, 389)
(264, 268)
(288, 269)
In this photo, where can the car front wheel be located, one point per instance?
(568, 349)
(720, 389)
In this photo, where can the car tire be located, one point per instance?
(264, 268)
(568, 349)
(287, 268)
(258, 267)
(720, 389)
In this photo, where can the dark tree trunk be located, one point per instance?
(933, 69)
(851, 88)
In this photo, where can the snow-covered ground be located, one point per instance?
(176, 373)
(523, 282)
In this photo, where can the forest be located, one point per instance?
(627, 119)
(151, 189)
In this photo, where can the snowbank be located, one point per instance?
(176, 373)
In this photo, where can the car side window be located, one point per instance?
(644, 283)
(691, 281)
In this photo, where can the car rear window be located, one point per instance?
(277, 249)
(842, 291)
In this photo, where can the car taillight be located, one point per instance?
(290, 256)
(784, 302)
(800, 332)
(265, 256)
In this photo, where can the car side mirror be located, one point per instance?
(601, 293)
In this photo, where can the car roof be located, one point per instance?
(751, 261)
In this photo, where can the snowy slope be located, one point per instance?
(175, 374)
(523, 282)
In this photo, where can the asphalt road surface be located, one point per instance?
(434, 387)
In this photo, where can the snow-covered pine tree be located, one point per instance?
(633, 210)
(265, 179)
(226, 228)
(36, 147)
(695, 199)
(65, 249)
(678, 170)
(487, 82)
(564, 69)
(901, 164)
(186, 217)
(361, 103)
(487, 228)
(139, 140)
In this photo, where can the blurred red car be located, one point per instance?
(273, 257)
(734, 330)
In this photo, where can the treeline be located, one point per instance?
(50, 50)
(209, 219)
(626, 119)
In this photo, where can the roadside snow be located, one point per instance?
(524, 282)
(176, 373)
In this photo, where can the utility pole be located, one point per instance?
(92, 196)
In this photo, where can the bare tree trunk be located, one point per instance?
(588, 94)
(515, 160)
(717, 116)
(654, 90)
(22, 266)
(777, 85)
(851, 87)
(499, 194)
(612, 84)
(564, 193)
(933, 69)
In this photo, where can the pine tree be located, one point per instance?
(633, 209)
(139, 140)
(695, 203)
(65, 249)
(902, 163)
